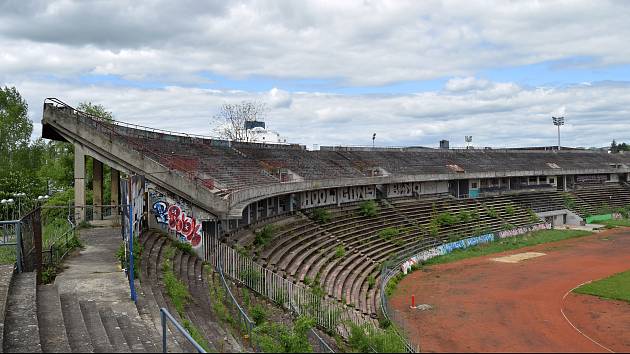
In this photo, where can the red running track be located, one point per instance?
(485, 306)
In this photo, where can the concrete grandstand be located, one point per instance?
(226, 192)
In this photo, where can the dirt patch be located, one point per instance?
(605, 321)
(518, 257)
(480, 305)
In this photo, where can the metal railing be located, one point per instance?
(242, 314)
(166, 316)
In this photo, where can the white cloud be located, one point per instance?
(279, 98)
(517, 118)
(357, 42)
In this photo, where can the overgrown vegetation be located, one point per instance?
(275, 337)
(264, 236)
(321, 215)
(615, 287)
(389, 233)
(615, 223)
(365, 340)
(340, 251)
(368, 208)
(178, 293)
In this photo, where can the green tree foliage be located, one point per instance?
(96, 110)
(614, 147)
(275, 337)
(15, 127)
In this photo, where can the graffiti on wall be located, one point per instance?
(176, 217)
(465, 243)
(523, 230)
(409, 189)
(331, 196)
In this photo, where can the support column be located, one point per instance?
(115, 190)
(97, 188)
(79, 183)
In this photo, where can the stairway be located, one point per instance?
(39, 319)
(188, 269)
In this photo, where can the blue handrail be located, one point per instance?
(165, 315)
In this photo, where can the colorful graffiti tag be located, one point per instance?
(465, 243)
(187, 228)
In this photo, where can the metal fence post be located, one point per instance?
(163, 319)
(18, 246)
(131, 260)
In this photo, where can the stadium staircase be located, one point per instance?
(188, 269)
(41, 319)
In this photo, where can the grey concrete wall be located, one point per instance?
(108, 149)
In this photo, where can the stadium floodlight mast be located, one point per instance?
(373, 137)
(558, 121)
(468, 140)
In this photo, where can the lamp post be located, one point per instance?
(558, 121)
(19, 197)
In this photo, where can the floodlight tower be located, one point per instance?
(558, 121)
(373, 137)
(468, 140)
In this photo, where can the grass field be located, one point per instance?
(616, 287)
(530, 239)
(621, 222)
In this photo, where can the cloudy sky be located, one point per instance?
(334, 72)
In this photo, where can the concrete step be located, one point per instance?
(78, 336)
(52, 331)
(114, 332)
(6, 275)
(95, 327)
(21, 330)
(138, 337)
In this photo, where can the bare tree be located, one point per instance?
(230, 120)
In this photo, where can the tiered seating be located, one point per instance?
(602, 198)
(189, 269)
(540, 202)
(305, 250)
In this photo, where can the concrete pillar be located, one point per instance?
(115, 190)
(97, 188)
(79, 183)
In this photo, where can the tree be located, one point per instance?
(96, 110)
(613, 146)
(15, 127)
(229, 122)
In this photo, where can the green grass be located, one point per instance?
(529, 239)
(7, 255)
(616, 287)
(614, 223)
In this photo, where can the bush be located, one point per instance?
(371, 282)
(259, 315)
(340, 251)
(322, 216)
(464, 216)
(388, 233)
(492, 213)
(509, 209)
(263, 236)
(446, 219)
(368, 208)
(532, 216)
(366, 340)
(279, 338)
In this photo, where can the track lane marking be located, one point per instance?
(572, 325)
